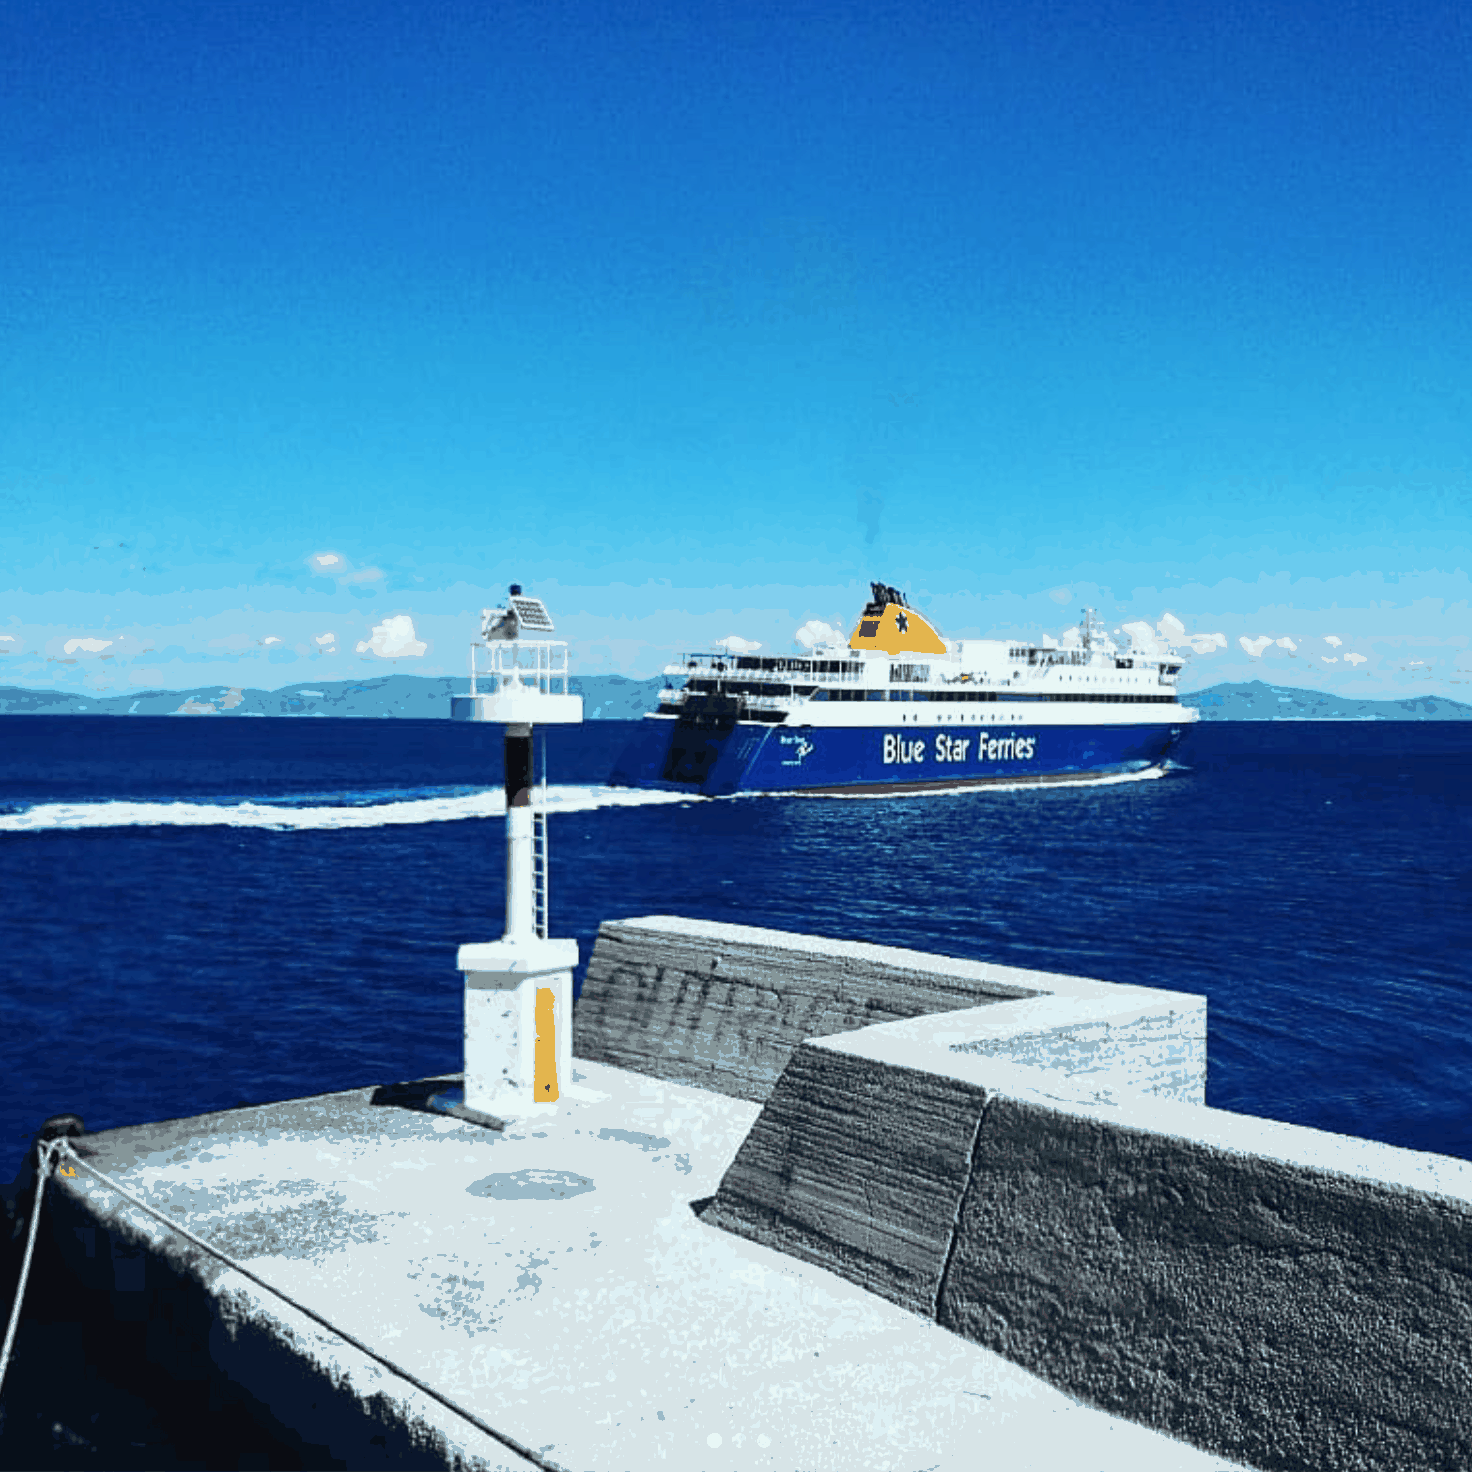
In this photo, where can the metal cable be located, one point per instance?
(47, 1155)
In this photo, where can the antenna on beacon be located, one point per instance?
(518, 990)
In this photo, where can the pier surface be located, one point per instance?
(551, 1283)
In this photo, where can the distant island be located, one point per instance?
(1256, 701)
(616, 698)
(423, 697)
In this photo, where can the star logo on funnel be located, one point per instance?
(902, 623)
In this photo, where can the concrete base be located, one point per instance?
(502, 980)
(551, 1281)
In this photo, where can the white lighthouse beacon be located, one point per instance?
(518, 990)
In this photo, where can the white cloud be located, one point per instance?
(325, 639)
(1206, 643)
(1255, 647)
(270, 639)
(88, 646)
(335, 565)
(1354, 659)
(393, 639)
(1287, 644)
(1142, 636)
(735, 644)
(1332, 640)
(815, 632)
(1169, 630)
(1330, 658)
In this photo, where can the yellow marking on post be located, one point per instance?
(546, 1049)
(68, 1170)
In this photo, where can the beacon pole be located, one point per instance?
(518, 990)
(520, 904)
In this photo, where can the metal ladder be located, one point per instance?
(539, 869)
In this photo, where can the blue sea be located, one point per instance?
(202, 913)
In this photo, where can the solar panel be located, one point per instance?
(532, 614)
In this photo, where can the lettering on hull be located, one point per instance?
(959, 750)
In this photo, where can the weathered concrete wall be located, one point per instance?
(723, 1006)
(1087, 1041)
(858, 1166)
(1283, 1297)
(1284, 1314)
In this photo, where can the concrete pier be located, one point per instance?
(551, 1284)
(808, 1204)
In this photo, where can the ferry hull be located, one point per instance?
(715, 760)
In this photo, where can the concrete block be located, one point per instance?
(502, 982)
(859, 1167)
(1041, 1176)
(1240, 1296)
(722, 1007)
(1087, 1042)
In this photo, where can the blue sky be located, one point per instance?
(696, 318)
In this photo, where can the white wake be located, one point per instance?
(492, 804)
(1000, 784)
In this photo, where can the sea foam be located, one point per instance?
(996, 784)
(57, 816)
(50, 817)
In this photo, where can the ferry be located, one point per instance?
(899, 708)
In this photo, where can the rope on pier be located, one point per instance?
(46, 1155)
(65, 1148)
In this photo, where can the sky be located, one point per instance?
(319, 325)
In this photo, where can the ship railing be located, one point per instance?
(787, 669)
(502, 664)
(748, 701)
(768, 702)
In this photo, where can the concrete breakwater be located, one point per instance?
(1035, 1169)
(722, 1007)
(939, 1206)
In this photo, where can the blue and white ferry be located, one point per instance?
(901, 709)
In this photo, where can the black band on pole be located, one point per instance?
(518, 771)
